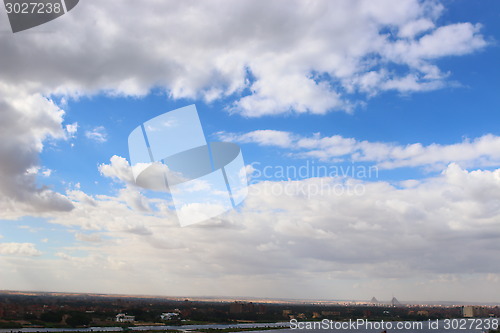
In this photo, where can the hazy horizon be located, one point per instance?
(209, 298)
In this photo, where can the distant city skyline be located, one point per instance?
(254, 299)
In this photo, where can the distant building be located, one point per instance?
(236, 307)
(395, 302)
(169, 316)
(330, 313)
(261, 309)
(186, 313)
(123, 318)
(470, 311)
(301, 316)
(239, 307)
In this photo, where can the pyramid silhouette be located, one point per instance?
(395, 302)
(374, 300)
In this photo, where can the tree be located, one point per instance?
(51, 317)
(78, 319)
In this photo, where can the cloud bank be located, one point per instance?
(305, 57)
(416, 234)
(483, 151)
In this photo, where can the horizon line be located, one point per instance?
(248, 298)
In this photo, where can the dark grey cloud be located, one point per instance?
(27, 120)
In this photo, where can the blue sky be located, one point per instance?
(409, 88)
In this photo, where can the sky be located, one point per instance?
(369, 131)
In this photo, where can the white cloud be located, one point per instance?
(98, 134)
(483, 151)
(271, 59)
(23, 249)
(284, 93)
(47, 172)
(118, 169)
(315, 233)
(135, 200)
(127, 211)
(413, 28)
(91, 238)
(277, 56)
(453, 39)
(262, 137)
(71, 129)
(37, 170)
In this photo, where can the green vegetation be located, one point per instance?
(10, 324)
(18, 311)
(51, 317)
(224, 330)
(78, 319)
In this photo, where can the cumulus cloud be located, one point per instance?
(262, 137)
(483, 151)
(23, 249)
(369, 227)
(270, 59)
(27, 121)
(273, 59)
(316, 231)
(71, 129)
(118, 169)
(128, 210)
(91, 238)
